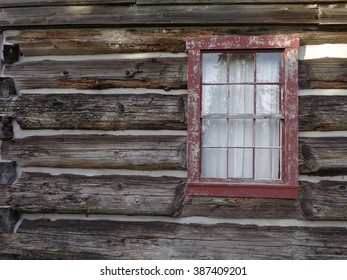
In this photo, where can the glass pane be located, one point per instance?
(214, 162)
(240, 133)
(241, 68)
(268, 100)
(240, 163)
(267, 164)
(268, 67)
(241, 99)
(214, 68)
(267, 133)
(214, 133)
(214, 99)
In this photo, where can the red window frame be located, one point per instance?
(287, 186)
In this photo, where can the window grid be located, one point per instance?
(253, 117)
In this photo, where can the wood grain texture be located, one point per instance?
(323, 156)
(163, 196)
(137, 40)
(98, 151)
(322, 113)
(169, 2)
(34, 3)
(77, 194)
(165, 73)
(241, 208)
(73, 239)
(96, 111)
(164, 15)
(323, 73)
(8, 173)
(333, 14)
(325, 200)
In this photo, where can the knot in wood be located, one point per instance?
(120, 185)
(342, 188)
(66, 73)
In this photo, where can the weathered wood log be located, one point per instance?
(8, 219)
(169, 2)
(98, 151)
(73, 239)
(160, 72)
(136, 15)
(323, 73)
(31, 3)
(323, 156)
(8, 173)
(325, 200)
(105, 41)
(231, 207)
(333, 14)
(151, 73)
(322, 113)
(95, 111)
(112, 194)
(6, 129)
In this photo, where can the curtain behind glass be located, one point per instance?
(235, 146)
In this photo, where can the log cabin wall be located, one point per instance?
(93, 102)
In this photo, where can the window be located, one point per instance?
(242, 116)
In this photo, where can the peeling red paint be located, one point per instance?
(287, 186)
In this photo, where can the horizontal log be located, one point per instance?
(119, 195)
(95, 111)
(319, 156)
(333, 14)
(325, 200)
(322, 113)
(137, 15)
(165, 196)
(323, 73)
(98, 151)
(323, 156)
(166, 73)
(105, 41)
(73, 239)
(241, 208)
(31, 3)
(167, 2)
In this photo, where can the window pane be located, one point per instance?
(214, 68)
(241, 68)
(267, 133)
(240, 133)
(240, 163)
(268, 100)
(241, 99)
(214, 133)
(268, 67)
(214, 99)
(214, 162)
(267, 164)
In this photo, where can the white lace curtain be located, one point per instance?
(241, 115)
